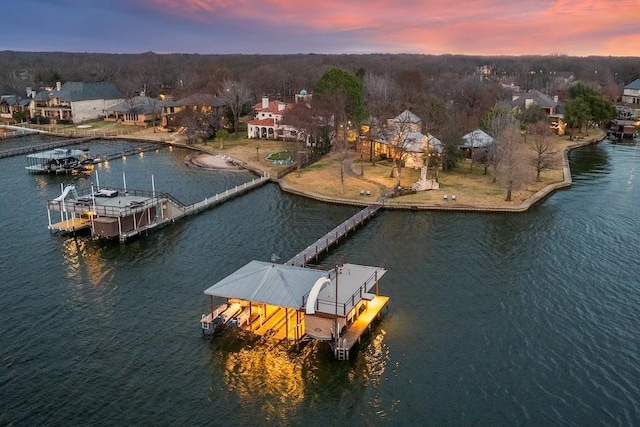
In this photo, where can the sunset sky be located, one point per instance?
(472, 27)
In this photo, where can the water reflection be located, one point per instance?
(83, 259)
(281, 382)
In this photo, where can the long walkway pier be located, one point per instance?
(17, 133)
(332, 237)
(44, 147)
(187, 210)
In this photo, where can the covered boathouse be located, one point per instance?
(298, 303)
(111, 213)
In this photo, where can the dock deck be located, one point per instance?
(363, 322)
(71, 225)
(332, 237)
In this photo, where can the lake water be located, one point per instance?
(494, 319)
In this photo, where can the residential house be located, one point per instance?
(10, 104)
(476, 139)
(522, 101)
(551, 107)
(74, 102)
(631, 100)
(267, 122)
(199, 102)
(137, 111)
(404, 132)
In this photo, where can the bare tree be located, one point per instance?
(336, 108)
(539, 138)
(512, 171)
(236, 96)
(402, 134)
(499, 123)
(379, 94)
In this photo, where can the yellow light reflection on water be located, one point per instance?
(82, 259)
(276, 380)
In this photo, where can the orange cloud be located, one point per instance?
(467, 26)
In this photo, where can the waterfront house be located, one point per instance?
(73, 102)
(630, 106)
(137, 111)
(9, 105)
(403, 133)
(267, 121)
(200, 103)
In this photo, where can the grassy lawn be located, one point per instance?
(471, 186)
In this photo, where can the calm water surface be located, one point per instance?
(525, 319)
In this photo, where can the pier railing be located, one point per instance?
(312, 251)
(344, 308)
(86, 207)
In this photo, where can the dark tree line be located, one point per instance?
(281, 76)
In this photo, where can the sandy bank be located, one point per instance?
(212, 161)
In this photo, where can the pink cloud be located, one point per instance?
(580, 27)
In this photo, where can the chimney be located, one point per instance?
(281, 106)
(555, 98)
(265, 102)
(58, 86)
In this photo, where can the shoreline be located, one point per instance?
(527, 204)
(205, 159)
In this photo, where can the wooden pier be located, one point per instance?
(324, 243)
(187, 210)
(44, 147)
(352, 336)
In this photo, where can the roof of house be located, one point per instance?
(263, 122)
(139, 105)
(407, 116)
(540, 99)
(633, 85)
(198, 99)
(435, 144)
(9, 99)
(477, 139)
(274, 107)
(80, 91)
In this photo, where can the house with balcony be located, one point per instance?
(267, 121)
(629, 108)
(73, 102)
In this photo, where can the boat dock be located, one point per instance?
(285, 302)
(311, 252)
(124, 214)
